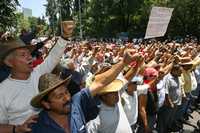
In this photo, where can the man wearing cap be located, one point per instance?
(65, 114)
(22, 84)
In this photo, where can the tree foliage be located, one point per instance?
(30, 23)
(186, 18)
(107, 18)
(7, 14)
(57, 10)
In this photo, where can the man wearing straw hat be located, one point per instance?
(111, 118)
(17, 90)
(65, 114)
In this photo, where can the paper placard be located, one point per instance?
(158, 22)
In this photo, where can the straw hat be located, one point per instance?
(47, 83)
(114, 86)
(186, 63)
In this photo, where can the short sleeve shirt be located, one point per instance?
(173, 89)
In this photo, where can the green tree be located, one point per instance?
(7, 14)
(57, 10)
(107, 18)
(30, 23)
(51, 12)
(22, 23)
(185, 18)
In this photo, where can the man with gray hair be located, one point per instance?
(17, 90)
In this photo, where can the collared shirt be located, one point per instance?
(186, 81)
(161, 91)
(189, 82)
(173, 89)
(83, 109)
(46, 125)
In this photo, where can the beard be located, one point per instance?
(64, 109)
(67, 108)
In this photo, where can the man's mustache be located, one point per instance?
(68, 103)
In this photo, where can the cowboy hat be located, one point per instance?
(114, 86)
(47, 83)
(187, 62)
(8, 46)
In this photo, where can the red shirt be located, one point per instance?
(38, 61)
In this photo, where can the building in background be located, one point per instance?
(27, 12)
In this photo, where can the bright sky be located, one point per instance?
(36, 5)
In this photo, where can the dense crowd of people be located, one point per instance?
(63, 86)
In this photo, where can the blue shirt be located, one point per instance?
(83, 109)
(76, 76)
(4, 73)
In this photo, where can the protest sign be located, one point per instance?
(158, 22)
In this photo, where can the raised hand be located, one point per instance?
(130, 55)
(26, 126)
(67, 28)
(140, 61)
(176, 59)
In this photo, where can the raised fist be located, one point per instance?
(67, 28)
(130, 55)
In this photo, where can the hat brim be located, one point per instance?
(36, 100)
(189, 64)
(115, 86)
(31, 48)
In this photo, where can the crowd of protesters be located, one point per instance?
(63, 86)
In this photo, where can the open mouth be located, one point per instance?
(67, 104)
(30, 63)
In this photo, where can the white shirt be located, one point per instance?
(161, 91)
(131, 103)
(131, 106)
(197, 74)
(194, 81)
(110, 120)
(142, 89)
(15, 95)
(173, 89)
